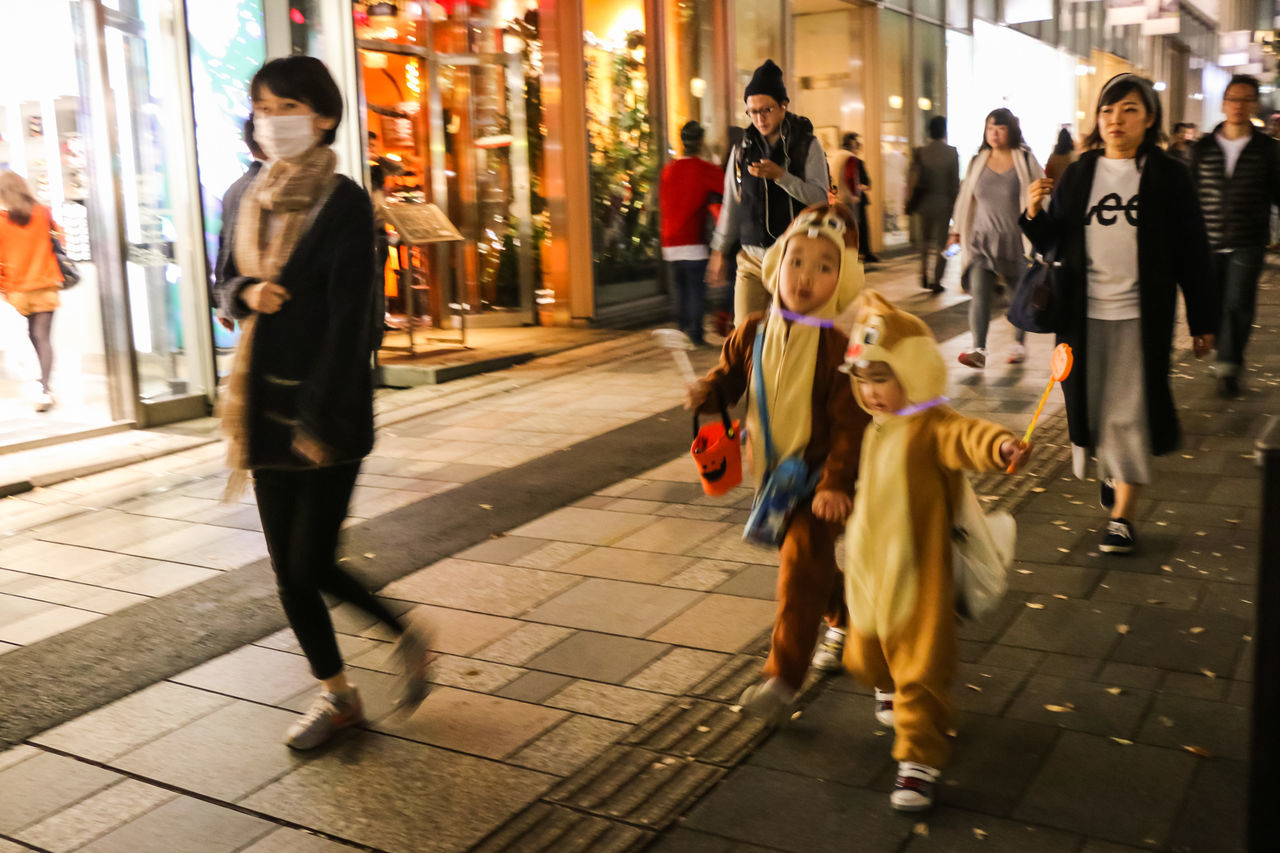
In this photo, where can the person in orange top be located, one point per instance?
(29, 274)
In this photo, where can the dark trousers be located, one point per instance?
(302, 513)
(690, 296)
(1236, 274)
(40, 330)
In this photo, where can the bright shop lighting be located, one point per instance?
(924, 104)
(895, 102)
(1159, 86)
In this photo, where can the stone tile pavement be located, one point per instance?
(561, 635)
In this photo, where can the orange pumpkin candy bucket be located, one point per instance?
(717, 451)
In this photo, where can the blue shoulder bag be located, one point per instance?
(785, 483)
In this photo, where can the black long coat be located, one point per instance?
(1173, 252)
(310, 369)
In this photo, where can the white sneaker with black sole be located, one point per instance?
(1119, 537)
(914, 789)
(772, 700)
(884, 708)
(829, 656)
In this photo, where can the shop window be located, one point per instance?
(930, 8)
(958, 14)
(895, 128)
(624, 153)
(759, 28)
(691, 73)
(930, 76)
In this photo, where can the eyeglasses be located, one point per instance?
(763, 112)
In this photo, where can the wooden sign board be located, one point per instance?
(420, 224)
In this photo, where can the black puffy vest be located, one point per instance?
(767, 209)
(1237, 210)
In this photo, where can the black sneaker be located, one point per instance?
(1107, 493)
(1119, 537)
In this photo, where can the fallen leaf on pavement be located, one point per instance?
(1115, 691)
(1197, 630)
(1035, 605)
(1024, 571)
(704, 729)
(1123, 741)
(1164, 721)
(1059, 709)
(1122, 629)
(369, 555)
(979, 834)
(486, 506)
(1208, 673)
(1060, 595)
(1166, 568)
(921, 829)
(1198, 750)
(975, 688)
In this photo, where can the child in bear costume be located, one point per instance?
(898, 572)
(814, 273)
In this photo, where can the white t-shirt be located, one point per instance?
(1111, 240)
(1231, 149)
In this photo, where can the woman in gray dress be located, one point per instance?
(985, 224)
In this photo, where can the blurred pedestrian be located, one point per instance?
(29, 273)
(777, 170)
(800, 412)
(899, 572)
(933, 185)
(1183, 135)
(1126, 225)
(841, 174)
(858, 181)
(1064, 154)
(1237, 173)
(985, 224)
(298, 406)
(230, 207)
(687, 190)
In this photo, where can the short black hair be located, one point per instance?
(1005, 118)
(1182, 125)
(938, 127)
(1244, 80)
(848, 139)
(1065, 143)
(304, 79)
(1113, 92)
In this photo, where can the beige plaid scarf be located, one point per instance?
(275, 212)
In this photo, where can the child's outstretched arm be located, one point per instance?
(729, 377)
(977, 445)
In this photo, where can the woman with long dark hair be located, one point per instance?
(298, 407)
(1126, 225)
(29, 273)
(985, 224)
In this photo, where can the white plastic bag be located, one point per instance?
(982, 551)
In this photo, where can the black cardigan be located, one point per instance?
(310, 370)
(1173, 252)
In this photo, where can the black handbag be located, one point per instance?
(1037, 304)
(70, 275)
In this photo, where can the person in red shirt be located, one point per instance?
(689, 188)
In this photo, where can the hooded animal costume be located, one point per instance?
(813, 415)
(898, 575)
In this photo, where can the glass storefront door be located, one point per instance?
(43, 130)
(162, 238)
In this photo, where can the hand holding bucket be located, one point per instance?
(1059, 369)
(717, 451)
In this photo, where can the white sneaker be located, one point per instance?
(329, 714)
(829, 656)
(975, 358)
(1017, 353)
(770, 699)
(44, 402)
(913, 790)
(884, 709)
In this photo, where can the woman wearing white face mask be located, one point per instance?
(298, 406)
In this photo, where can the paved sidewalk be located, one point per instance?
(562, 635)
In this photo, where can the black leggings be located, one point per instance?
(302, 513)
(40, 329)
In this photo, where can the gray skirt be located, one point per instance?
(1116, 402)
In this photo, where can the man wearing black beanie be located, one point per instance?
(777, 171)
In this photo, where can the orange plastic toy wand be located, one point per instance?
(1059, 369)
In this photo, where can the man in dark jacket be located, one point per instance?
(777, 171)
(1237, 175)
